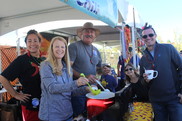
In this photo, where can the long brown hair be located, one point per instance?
(127, 78)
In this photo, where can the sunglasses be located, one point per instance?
(145, 36)
(129, 69)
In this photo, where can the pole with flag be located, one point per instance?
(133, 39)
(124, 43)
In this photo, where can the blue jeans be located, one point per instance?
(168, 111)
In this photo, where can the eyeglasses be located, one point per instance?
(145, 36)
(129, 69)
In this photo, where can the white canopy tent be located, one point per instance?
(43, 15)
(20, 16)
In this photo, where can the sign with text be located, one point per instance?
(104, 10)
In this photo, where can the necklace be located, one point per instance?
(152, 60)
(37, 60)
(89, 54)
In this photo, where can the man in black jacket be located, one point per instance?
(165, 90)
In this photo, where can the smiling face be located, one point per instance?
(33, 44)
(59, 49)
(129, 71)
(106, 70)
(149, 37)
(88, 36)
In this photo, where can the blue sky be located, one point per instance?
(164, 15)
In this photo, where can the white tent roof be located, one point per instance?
(22, 15)
(15, 14)
(44, 15)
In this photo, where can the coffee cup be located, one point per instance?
(151, 74)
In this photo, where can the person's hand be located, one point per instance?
(82, 81)
(22, 97)
(145, 76)
(88, 89)
(180, 96)
(91, 78)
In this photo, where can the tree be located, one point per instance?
(178, 41)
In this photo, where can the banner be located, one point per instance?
(104, 10)
(125, 40)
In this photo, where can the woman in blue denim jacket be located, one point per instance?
(57, 84)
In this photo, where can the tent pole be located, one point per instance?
(0, 62)
(18, 44)
(133, 39)
(133, 46)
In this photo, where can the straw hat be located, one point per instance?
(87, 25)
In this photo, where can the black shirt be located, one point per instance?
(26, 69)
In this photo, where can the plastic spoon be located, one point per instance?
(94, 92)
(98, 82)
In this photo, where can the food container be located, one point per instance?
(96, 104)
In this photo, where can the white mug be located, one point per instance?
(150, 74)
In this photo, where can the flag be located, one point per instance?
(125, 39)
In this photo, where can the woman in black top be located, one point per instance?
(139, 90)
(26, 69)
(137, 96)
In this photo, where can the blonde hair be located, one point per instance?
(52, 59)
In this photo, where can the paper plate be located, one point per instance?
(102, 95)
